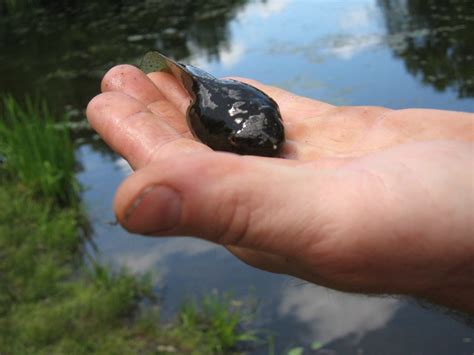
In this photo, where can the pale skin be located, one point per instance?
(363, 199)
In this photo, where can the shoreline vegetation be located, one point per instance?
(51, 302)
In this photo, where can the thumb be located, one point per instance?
(264, 204)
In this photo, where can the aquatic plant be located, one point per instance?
(217, 321)
(37, 151)
(51, 303)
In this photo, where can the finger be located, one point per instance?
(131, 81)
(175, 103)
(167, 112)
(130, 129)
(171, 90)
(228, 199)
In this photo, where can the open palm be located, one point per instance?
(363, 202)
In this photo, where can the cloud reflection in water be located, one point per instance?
(332, 315)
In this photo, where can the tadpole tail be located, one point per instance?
(156, 62)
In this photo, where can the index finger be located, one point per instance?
(134, 132)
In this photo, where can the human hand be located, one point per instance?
(367, 200)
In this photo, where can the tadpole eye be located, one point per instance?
(233, 140)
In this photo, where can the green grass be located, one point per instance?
(39, 154)
(51, 302)
(217, 321)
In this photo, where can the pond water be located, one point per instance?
(395, 53)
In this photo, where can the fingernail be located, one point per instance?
(157, 208)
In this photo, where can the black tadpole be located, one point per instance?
(226, 115)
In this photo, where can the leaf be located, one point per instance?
(316, 345)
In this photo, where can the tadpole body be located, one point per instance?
(226, 115)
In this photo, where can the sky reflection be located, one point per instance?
(332, 315)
